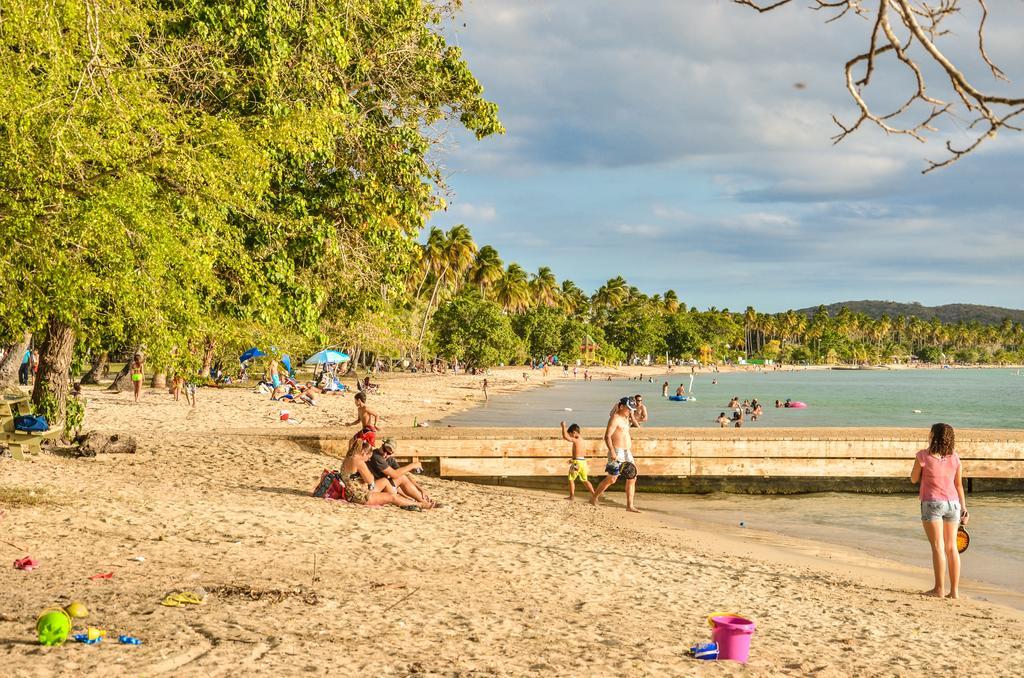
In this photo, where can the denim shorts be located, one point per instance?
(948, 511)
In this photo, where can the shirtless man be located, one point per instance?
(620, 457)
(681, 391)
(641, 411)
(365, 416)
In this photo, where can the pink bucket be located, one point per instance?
(732, 634)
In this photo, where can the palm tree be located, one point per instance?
(487, 268)
(456, 256)
(613, 293)
(671, 301)
(572, 299)
(431, 258)
(749, 320)
(544, 287)
(512, 290)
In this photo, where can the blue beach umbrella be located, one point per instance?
(250, 354)
(326, 356)
(287, 362)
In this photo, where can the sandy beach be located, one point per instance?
(498, 581)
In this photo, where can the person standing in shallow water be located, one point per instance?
(943, 505)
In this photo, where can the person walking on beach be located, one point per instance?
(137, 373)
(620, 456)
(943, 506)
(366, 417)
(578, 462)
(485, 389)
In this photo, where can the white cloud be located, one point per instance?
(474, 213)
(639, 230)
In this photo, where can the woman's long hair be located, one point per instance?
(355, 446)
(942, 441)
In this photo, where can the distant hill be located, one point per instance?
(949, 313)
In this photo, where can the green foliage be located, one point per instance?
(74, 414)
(228, 170)
(475, 332)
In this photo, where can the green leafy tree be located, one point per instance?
(476, 332)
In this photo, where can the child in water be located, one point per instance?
(578, 463)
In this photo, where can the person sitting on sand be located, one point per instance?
(943, 505)
(723, 420)
(620, 455)
(734, 403)
(578, 461)
(360, 486)
(382, 465)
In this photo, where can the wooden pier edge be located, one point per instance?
(825, 453)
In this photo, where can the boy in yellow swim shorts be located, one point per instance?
(578, 462)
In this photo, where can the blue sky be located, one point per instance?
(668, 142)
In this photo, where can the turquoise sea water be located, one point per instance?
(969, 398)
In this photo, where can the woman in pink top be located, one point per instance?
(943, 507)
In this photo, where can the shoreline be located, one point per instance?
(833, 556)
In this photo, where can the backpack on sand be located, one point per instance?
(331, 486)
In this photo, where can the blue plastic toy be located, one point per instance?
(708, 651)
(84, 638)
(128, 640)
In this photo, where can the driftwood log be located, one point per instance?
(92, 443)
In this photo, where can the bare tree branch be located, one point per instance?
(924, 24)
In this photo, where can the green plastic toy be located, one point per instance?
(53, 626)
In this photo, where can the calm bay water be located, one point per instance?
(975, 398)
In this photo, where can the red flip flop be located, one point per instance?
(27, 563)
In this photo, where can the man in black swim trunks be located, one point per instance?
(382, 464)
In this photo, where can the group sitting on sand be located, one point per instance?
(372, 477)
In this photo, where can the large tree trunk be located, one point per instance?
(53, 380)
(122, 380)
(11, 362)
(100, 368)
(159, 379)
(208, 348)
